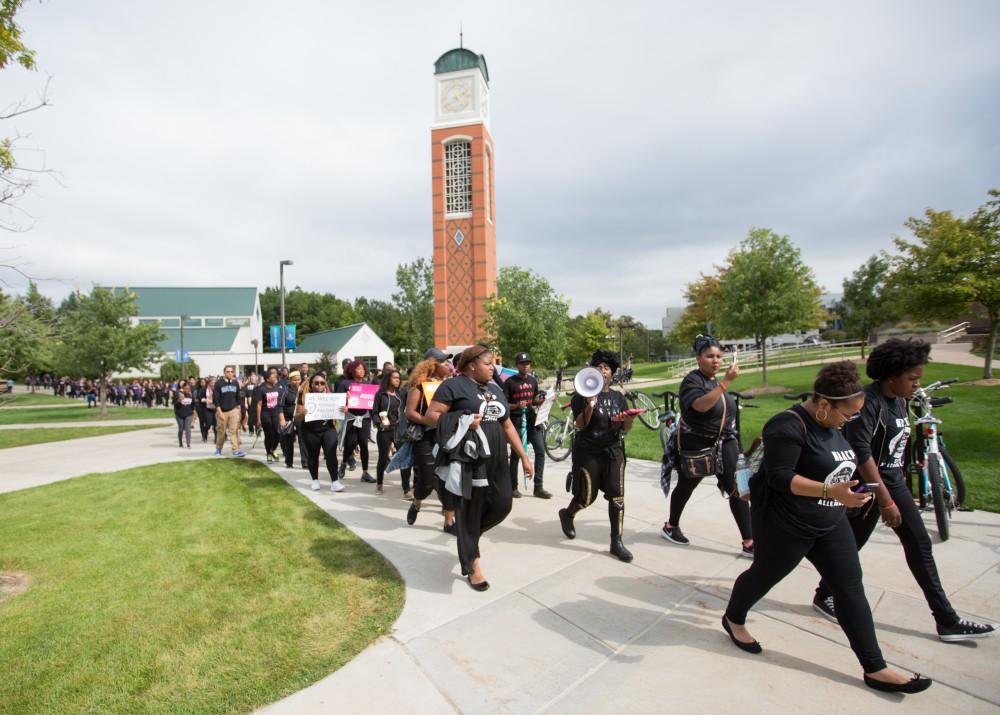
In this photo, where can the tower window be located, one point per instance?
(458, 177)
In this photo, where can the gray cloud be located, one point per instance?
(635, 145)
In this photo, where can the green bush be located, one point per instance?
(171, 370)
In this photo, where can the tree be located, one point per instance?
(952, 268)
(526, 314)
(415, 301)
(765, 289)
(309, 311)
(697, 315)
(99, 340)
(585, 334)
(26, 340)
(385, 319)
(170, 370)
(864, 304)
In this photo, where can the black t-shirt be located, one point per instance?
(268, 398)
(881, 431)
(517, 389)
(465, 394)
(800, 446)
(705, 424)
(601, 432)
(183, 405)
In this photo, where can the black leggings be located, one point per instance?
(777, 553)
(357, 437)
(916, 546)
(383, 438)
(206, 420)
(269, 421)
(727, 482)
(488, 506)
(287, 441)
(425, 481)
(327, 441)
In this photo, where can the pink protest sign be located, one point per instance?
(361, 396)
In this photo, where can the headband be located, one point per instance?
(839, 397)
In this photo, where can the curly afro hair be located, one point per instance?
(895, 356)
(608, 357)
(838, 380)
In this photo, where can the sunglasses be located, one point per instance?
(319, 383)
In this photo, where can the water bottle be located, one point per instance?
(743, 477)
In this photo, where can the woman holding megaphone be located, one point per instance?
(602, 418)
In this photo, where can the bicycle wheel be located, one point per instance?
(941, 507)
(559, 438)
(651, 417)
(955, 476)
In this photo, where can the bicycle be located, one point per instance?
(740, 398)
(650, 415)
(940, 478)
(667, 419)
(559, 434)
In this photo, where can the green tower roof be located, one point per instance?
(461, 59)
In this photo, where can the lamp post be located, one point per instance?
(180, 358)
(255, 343)
(281, 273)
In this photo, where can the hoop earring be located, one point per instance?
(822, 418)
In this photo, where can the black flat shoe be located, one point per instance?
(916, 684)
(566, 521)
(481, 586)
(449, 529)
(748, 647)
(411, 514)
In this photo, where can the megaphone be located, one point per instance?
(588, 382)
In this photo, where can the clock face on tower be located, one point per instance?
(456, 95)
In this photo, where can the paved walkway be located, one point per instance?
(152, 422)
(567, 628)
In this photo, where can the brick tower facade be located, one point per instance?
(465, 250)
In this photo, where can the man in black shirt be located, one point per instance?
(523, 396)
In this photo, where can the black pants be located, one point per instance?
(357, 437)
(271, 425)
(777, 553)
(916, 547)
(604, 470)
(425, 481)
(727, 483)
(287, 441)
(303, 451)
(206, 420)
(537, 441)
(325, 440)
(488, 507)
(383, 438)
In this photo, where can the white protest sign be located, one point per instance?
(325, 405)
(545, 408)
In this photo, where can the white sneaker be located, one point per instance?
(315, 485)
(337, 486)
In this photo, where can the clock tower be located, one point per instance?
(465, 247)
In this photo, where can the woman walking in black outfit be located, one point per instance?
(705, 404)
(268, 411)
(879, 439)
(488, 501)
(798, 512)
(286, 418)
(426, 377)
(599, 454)
(358, 425)
(389, 406)
(319, 435)
(198, 394)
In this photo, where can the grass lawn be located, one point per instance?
(194, 587)
(970, 430)
(37, 398)
(81, 414)
(22, 437)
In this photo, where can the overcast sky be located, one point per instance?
(636, 143)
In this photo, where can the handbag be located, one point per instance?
(700, 463)
(407, 431)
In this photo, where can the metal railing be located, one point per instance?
(785, 356)
(955, 331)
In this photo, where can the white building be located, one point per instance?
(669, 320)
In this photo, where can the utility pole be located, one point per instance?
(281, 273)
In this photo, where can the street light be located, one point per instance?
(255, 343)
(281, 273)
(180, 358)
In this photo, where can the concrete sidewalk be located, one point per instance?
(566, 628)
(152, 422)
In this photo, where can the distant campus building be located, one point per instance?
(221, 326)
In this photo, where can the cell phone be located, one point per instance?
(866, 487)
(633, 411)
